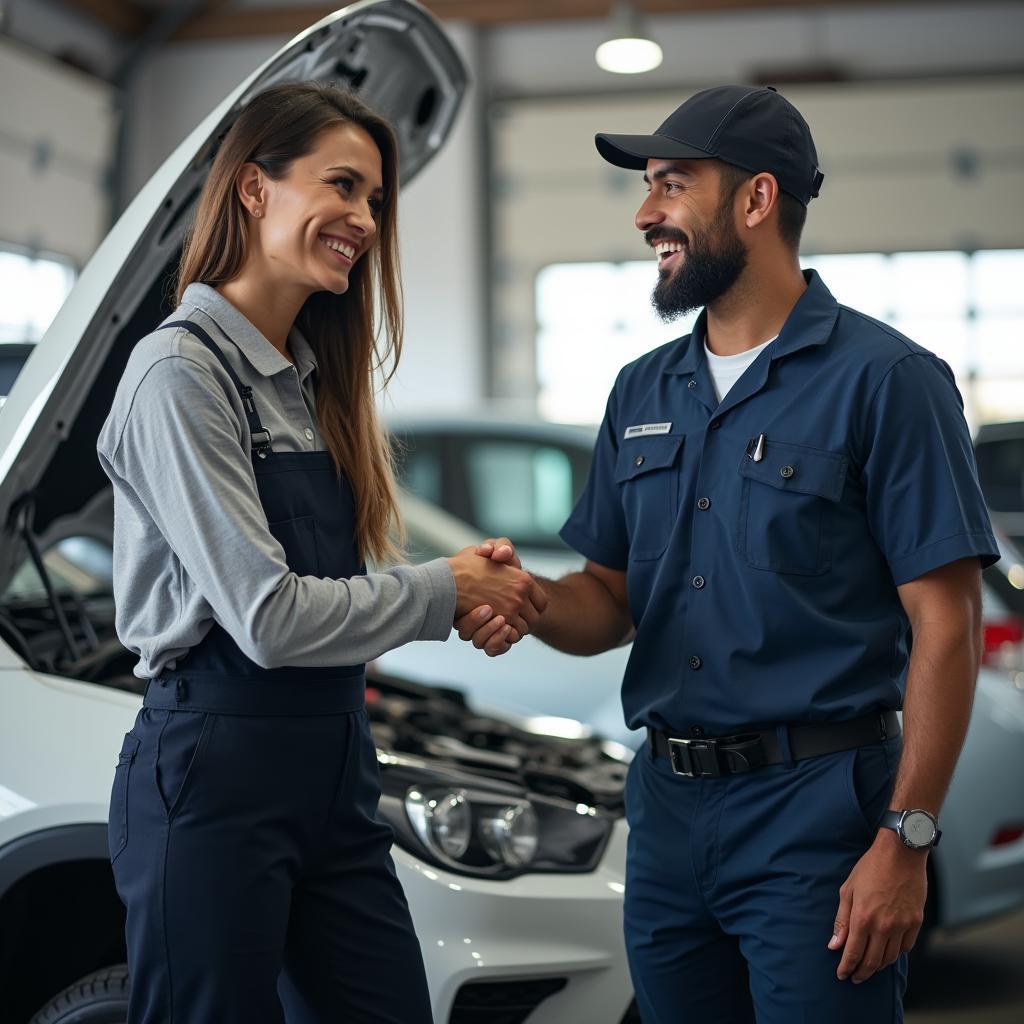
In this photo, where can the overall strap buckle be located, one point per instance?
(261, 440)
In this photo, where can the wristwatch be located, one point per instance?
(916, 828)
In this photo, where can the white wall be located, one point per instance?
(908, 166)
(889, 155)
(56, 135)
(49, 26)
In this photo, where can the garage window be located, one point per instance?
(968, 308)
(32, 289)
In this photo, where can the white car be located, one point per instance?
(510, 845)
(977, 871)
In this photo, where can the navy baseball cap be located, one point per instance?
(751, 127)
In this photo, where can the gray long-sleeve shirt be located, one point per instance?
(191, 543)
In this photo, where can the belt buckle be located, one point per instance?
(684, 757)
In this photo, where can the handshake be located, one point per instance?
(497, 602)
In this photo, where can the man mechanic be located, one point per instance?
(777, 502)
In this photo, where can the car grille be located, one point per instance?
(502, 1002)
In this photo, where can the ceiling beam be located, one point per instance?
(120, 16)
(259, 21)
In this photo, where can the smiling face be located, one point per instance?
(688, 219)
(310, 227)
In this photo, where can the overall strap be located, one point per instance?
(261, 438)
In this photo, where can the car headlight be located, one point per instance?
(510, 835)
(489, 829)
(443, 822)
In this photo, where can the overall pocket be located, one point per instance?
(787, 502)
(298, 538)
(647, 472)
(117, 823)
(183, 739)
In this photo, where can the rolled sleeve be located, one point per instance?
(597, 527)
(924, 503)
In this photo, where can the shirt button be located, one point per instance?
(715, 424)
(697, 731)
(308, 433)
(695, 662)
(638, 461)
(703, 504)
(692, 384)
(786, 472)
(698, 582)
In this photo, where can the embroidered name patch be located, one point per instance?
(646, 429)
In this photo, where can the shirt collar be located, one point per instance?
(305, 357)
(260, 353)
(810, 323)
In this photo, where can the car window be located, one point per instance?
(420, 467)
(520, 489)
(1001, 472)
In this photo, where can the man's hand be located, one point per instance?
(492, 586)
(488, 632)
(881, 908)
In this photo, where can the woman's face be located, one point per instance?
(315, 223)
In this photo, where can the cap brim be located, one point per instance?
(633, 151)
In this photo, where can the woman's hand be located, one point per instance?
(507, 590)
(489, 632)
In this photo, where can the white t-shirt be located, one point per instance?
(726, 370)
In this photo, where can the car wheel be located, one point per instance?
(99, 998)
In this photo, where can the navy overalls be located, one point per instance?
(762, 583)
(244, 833)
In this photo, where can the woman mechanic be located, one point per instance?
(251, 480)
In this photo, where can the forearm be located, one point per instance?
(583, 616)
(311, 622)
(936, 711)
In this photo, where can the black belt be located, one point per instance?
(705, 757)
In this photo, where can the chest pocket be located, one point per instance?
(647, 472)
(787, 506)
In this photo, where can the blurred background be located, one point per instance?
(917, 110)
(527, 286)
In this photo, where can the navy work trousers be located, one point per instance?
(257, 875)
(732, 887)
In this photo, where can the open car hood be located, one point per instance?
(393, 53)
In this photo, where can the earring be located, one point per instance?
(257, 213)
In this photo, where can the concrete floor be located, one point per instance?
(972, 977)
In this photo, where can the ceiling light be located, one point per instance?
(628, 51)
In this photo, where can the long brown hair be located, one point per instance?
(275, 128)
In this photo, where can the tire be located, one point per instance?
(99, 998)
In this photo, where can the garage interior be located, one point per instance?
(526, 285)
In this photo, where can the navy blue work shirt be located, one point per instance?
(763, 590)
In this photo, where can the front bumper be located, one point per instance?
(535, 928)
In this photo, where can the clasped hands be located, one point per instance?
(497, 602)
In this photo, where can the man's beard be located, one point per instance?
(712, 263)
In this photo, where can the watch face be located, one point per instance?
(918, 828)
